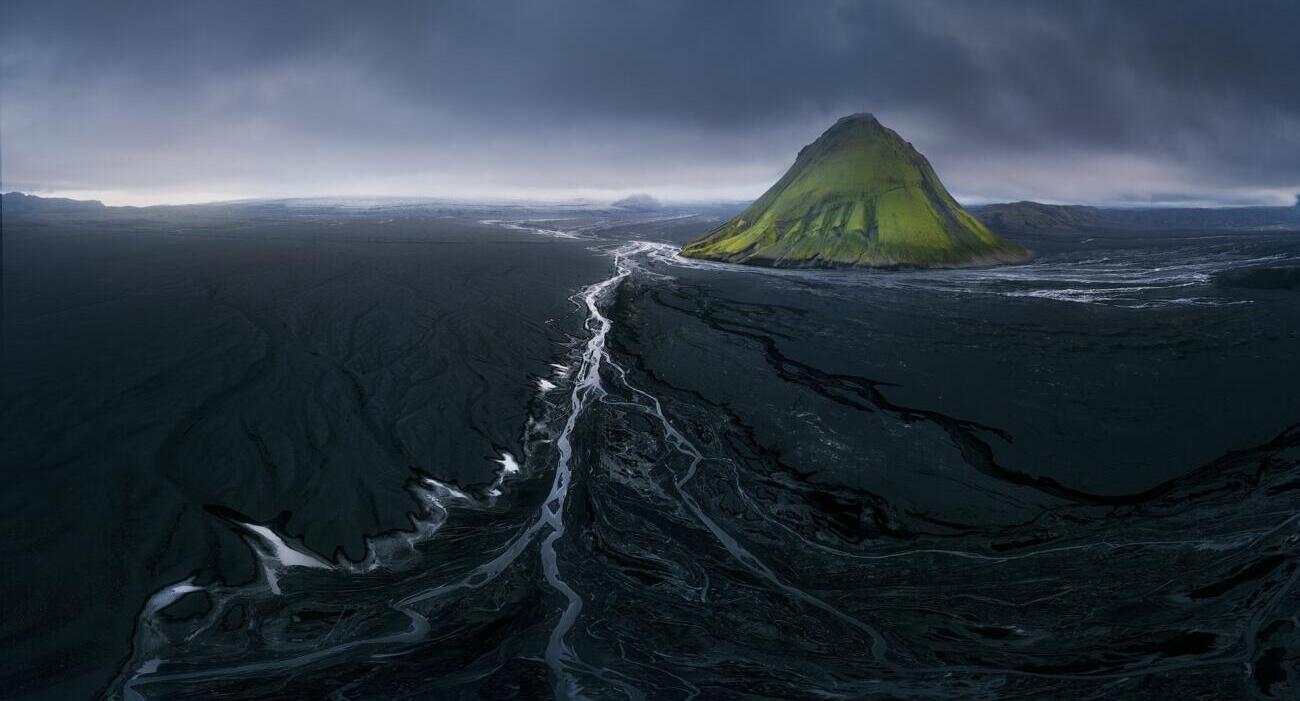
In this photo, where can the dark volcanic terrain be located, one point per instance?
(285, 365)
(304, 450)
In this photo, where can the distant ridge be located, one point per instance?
(639, 202)
(20, 203)
(857, 197)
(1035, 216)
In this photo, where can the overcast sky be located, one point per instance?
(1094, 102)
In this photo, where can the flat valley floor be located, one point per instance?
(275, 452)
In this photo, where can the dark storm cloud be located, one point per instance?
(1091, 101)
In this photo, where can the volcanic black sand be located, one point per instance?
(264, 452)
(296, 369)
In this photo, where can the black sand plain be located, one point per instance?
(1070, 478)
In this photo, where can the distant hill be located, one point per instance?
(859, 196)
(17, 203)
(639, 202)
(1033, 216)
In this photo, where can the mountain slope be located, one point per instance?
(859, 196)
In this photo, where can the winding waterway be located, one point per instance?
(749, 483)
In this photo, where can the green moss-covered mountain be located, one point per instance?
(858, 196)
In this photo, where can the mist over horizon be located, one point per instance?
(1186, 103)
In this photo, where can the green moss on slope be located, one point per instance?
(859, 196)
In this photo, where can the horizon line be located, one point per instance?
(588, 200)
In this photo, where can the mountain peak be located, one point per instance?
(862, 122)
(858, 118)
(858, 196)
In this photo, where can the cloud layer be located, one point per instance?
(1087, 102)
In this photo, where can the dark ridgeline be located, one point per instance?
(1016, 217)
